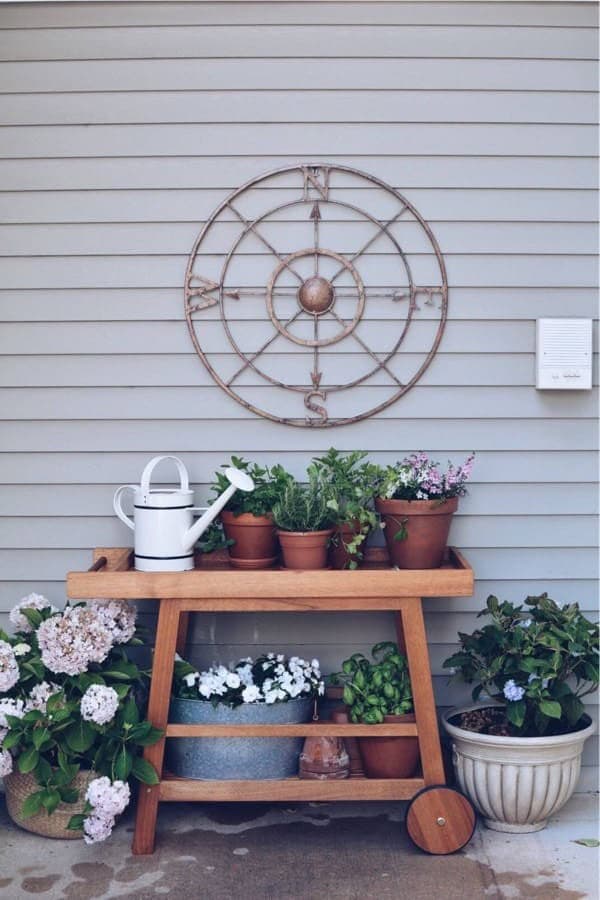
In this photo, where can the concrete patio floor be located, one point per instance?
(302, 852)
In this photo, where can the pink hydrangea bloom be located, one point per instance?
(119, 617)
(32, 601)
(39, 696)
(97, 828)
(9, 668)
(9, 707)
(69, 642)
(6, 763)
(108, 798)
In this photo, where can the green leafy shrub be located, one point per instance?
(539, 661)
(269, 484)
(354, 485)
(305, 507)
(375, 689)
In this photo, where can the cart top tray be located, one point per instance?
(215, 585)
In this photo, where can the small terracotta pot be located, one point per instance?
(426, 524)
(304, 549)
(255, 540)
(338, 555)
(390, 757)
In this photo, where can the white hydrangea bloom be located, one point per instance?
(97, 828)
(99, 704)
(108, 798)
(9, 707)
(39, 696)
(251, 694)
(32, 601)
(69, 642)
(6, 763)
(21, 649)
(9, 668)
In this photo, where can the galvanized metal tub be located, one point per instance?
(227, 759)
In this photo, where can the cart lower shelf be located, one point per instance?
(173, 788)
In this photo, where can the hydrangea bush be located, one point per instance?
(539, 661)
(69, 701)
(270, 678)
(416, 477)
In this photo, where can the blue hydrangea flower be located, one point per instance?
(512, 691)
(526, 623)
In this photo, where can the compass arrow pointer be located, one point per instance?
(315, 212)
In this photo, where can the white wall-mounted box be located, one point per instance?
(564, 354)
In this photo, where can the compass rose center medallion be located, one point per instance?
(316, 295)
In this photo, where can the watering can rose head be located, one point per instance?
(163, 521)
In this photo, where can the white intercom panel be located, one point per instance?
(564, 354)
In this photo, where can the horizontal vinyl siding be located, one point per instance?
(122, 127)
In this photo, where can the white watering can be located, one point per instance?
(163, 520)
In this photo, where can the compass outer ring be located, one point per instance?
(299, 421)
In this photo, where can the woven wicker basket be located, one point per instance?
(18, 787)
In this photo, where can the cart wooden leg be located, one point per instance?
(158, 712)
(182, 632)
(411, 632)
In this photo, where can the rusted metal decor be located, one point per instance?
(273, 324)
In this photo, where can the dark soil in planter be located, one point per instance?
(492, 720)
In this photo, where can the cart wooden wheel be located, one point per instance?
(440, 820)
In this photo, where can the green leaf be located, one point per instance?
(123, 764)
(43, 771)
(39, 736)
(515, 712)
(121, 671)
(80, 736)
(75, 823)
(50, 800)
(152, 737)
(68, 795)
(33, 616)
(144, 771)
(551, 708)
(131, 713)
(11, 740)
(28, 760)
(587, 842)
(32, 804)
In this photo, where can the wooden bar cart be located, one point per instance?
(440, 820)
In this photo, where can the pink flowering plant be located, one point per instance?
(539, 661)
(417, 477)
(70, 700)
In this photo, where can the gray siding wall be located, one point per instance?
(123, 125)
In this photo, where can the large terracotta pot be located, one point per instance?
(255, 540)
(516, 783)
(304, 549)
(425, 524)
(18, 787)
(390, 757)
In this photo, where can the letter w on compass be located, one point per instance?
(206, 291)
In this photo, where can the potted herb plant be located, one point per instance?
(71, 733)
(247, 519)
(518, 754)
(375, 692)
(304, 520)
(354, 486)
(268, 690)
(417, 502)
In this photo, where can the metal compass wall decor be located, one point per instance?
(316, 295)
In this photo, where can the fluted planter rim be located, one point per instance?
(501, 740)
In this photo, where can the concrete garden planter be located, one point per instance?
(227, 759)
(516, 783)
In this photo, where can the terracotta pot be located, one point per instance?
(304, 549)
(426, 524)
(338, 555)
(390, 757)
(255, 540)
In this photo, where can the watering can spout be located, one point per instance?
(238, 480)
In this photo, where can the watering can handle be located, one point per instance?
(118, 507)
(147, 473)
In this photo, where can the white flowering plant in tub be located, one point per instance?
(70, 700)
(270, 678)
(538, 661)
